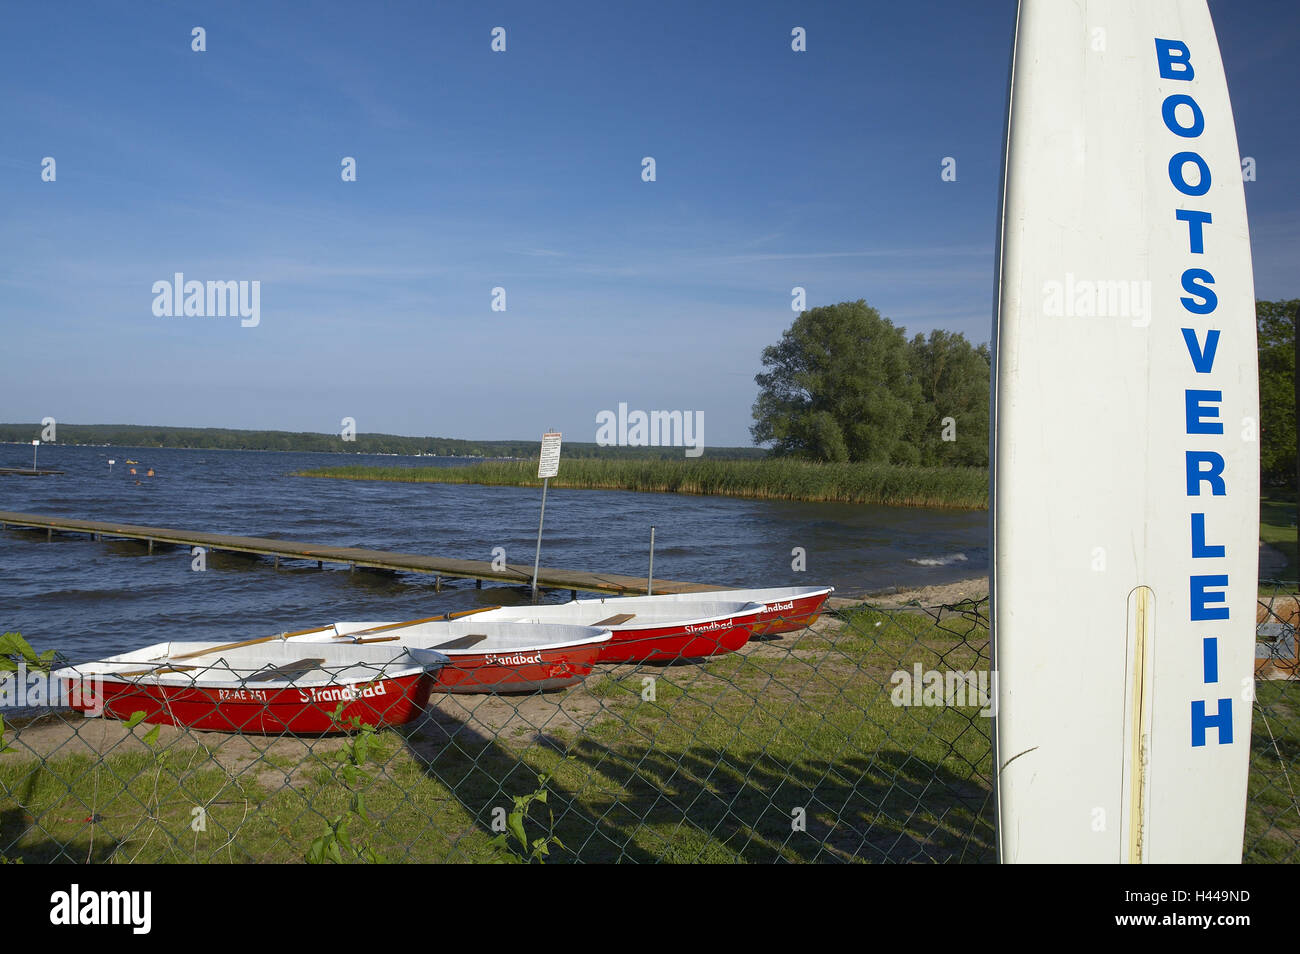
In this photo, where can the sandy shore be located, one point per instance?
(1272, 562)
(977, 587)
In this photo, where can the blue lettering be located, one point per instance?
(1208, 592)
(1202, 596)
(1191, 277)
(1169, 111)
(1199, 547)
(1222, 721)
(1202, 358)
(1210, 658)
(1195, 220)
(1197, 412)
(1176, 164)
(1197, 476)
(1174, 59)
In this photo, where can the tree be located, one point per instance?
(1275, 326)
(839, 386)
(952, 420)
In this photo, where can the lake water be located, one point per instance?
(91, 599)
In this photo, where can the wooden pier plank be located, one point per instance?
(356, 556)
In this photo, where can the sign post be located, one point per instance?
(547, 467)
(1295, 334)
(35, 444)
(650, 576)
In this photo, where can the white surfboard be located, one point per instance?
(1126, 455)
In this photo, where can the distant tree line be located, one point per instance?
(845, 384)
(220, 438)
(1275, 325)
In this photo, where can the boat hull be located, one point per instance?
(788, 616)
(651, 630)
(527, 670)
(672, 641)
(261, 686)
(785, 609)
(307, 710)
(501, 657)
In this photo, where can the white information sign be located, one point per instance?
(549, 465)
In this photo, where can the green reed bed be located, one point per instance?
(857, 483)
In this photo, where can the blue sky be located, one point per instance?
(520, 170)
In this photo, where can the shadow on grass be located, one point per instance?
(16, 826)
(702, 805)
(697, 779)
(706, 774)
(636, 800)
(1277, 528)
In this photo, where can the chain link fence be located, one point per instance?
(864, 737)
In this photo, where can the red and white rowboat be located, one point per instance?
(646, 629)
(785, 608)
(486, 656)
(274, 686)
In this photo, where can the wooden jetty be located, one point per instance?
(352, 557)
(27, 472)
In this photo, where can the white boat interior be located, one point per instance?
(631, 612)
(464, 636)
(275, 664)
(771, 594)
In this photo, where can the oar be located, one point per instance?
(219, 649)
(481, 609)
(385, 628)
(247, 642)
(157, 671)
(413, 622)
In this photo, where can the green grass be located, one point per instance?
(127, 808)
(1277, 527)
(777, 479)
(718, 766)
(1273, 811)
(713, 769)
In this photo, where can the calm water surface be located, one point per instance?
(91, 599)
